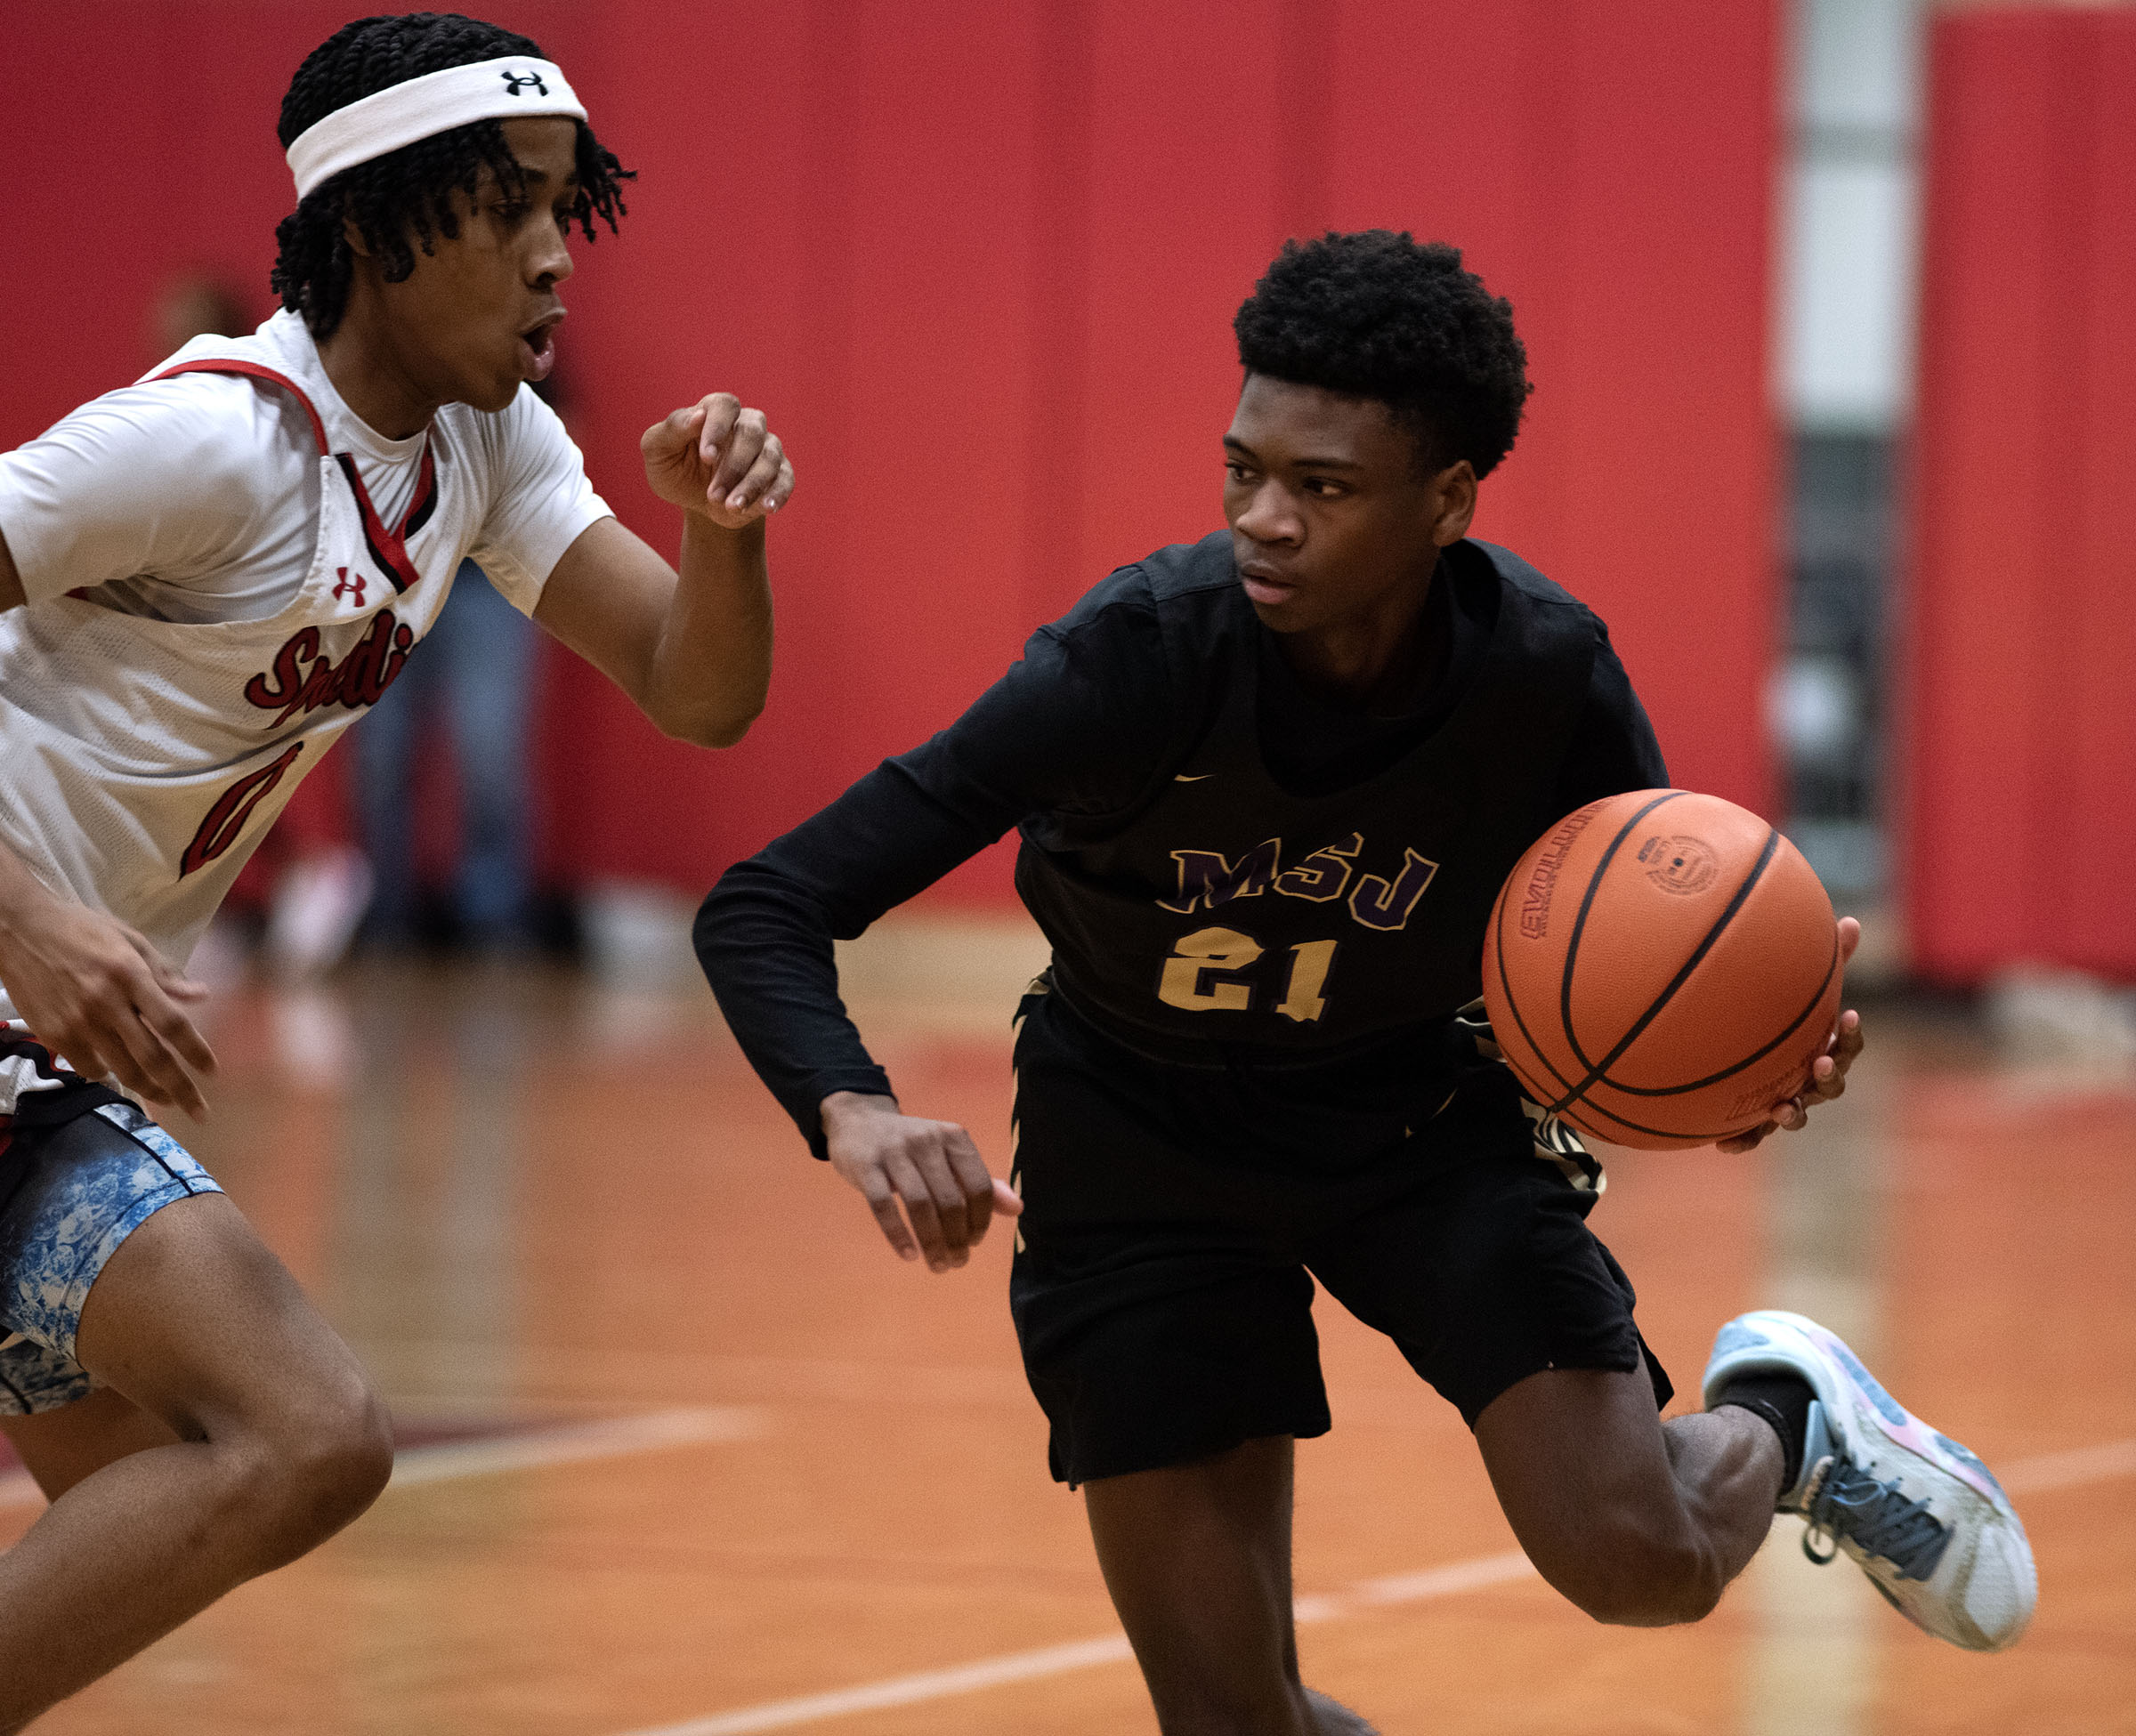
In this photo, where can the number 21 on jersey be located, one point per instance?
(1202, 975)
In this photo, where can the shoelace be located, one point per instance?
(1846, 1501)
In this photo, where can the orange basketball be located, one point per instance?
(1661, 969)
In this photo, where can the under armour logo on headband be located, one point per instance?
(425, 106)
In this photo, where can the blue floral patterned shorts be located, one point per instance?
(89, 1184)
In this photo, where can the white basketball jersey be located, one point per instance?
(142, 759)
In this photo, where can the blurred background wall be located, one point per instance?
(979, 260)
(2019, 820)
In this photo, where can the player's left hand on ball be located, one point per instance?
(716, 457)
(1827, 1073)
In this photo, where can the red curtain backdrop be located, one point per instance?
(978, 258)
(2020, 753)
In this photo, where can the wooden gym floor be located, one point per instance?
(689, 1452)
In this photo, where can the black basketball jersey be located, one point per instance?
(1228, 910)
(1231, 874)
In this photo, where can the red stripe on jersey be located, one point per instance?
(388, 547)
(254, 370)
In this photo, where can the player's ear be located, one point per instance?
(1453, 503)
(352, 233)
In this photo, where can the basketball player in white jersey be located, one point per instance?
(204, 577)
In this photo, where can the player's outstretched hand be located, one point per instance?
(715, 457)
(101, 998)
(1827, 1073)
(931, 1166)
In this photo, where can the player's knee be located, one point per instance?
(310, 1471)
(342, 1460)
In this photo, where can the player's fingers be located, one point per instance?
(919, 1209)
(757, 485)
(781, 489)
(973, 1182)
(1850, 937)
(140, 1062)
(80, 1051)
(740, 451)
(1007, 1200)
(882, 1200)
(673, 432)
(720, 409)
(945, 1193)
(163, 1075)
(177, 1033)
(158, 1010)
(1747, 1141)
(137, 1060)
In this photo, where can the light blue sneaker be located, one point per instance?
(1920, 1514)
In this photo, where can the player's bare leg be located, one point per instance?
(1198, 1560)
(60, 1447)
(1636, 1521)
(258, 1437)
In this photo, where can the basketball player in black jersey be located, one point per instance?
(1268, 784)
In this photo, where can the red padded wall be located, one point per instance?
(2021, 750)
(979, 259)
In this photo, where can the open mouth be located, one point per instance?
(538, 347)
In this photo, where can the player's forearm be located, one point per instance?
(766, 946)
(713, 665)
(25, 903)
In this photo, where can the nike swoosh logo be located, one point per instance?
(1181, 777)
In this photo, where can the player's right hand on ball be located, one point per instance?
(102, 999)
(931, 1167)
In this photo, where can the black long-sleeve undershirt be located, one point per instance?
(1091, 718)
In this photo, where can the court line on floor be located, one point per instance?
(574, 1443)
(2050, 1471)
(1078, 1654)
(567, 1443)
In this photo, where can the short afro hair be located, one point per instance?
(401, 201)
(1382, 316)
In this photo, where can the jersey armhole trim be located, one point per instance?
(257, 371)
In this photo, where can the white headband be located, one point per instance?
(421, 108)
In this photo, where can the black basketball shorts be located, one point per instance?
(1175, 1220)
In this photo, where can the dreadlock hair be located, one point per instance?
(404, 200)
(1378, 315)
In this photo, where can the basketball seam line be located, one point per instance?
(1595, 1109)
(1597, 1069)
(1748, 1060)
(1505, 983)
(1572, 948)
(1601, 1075)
